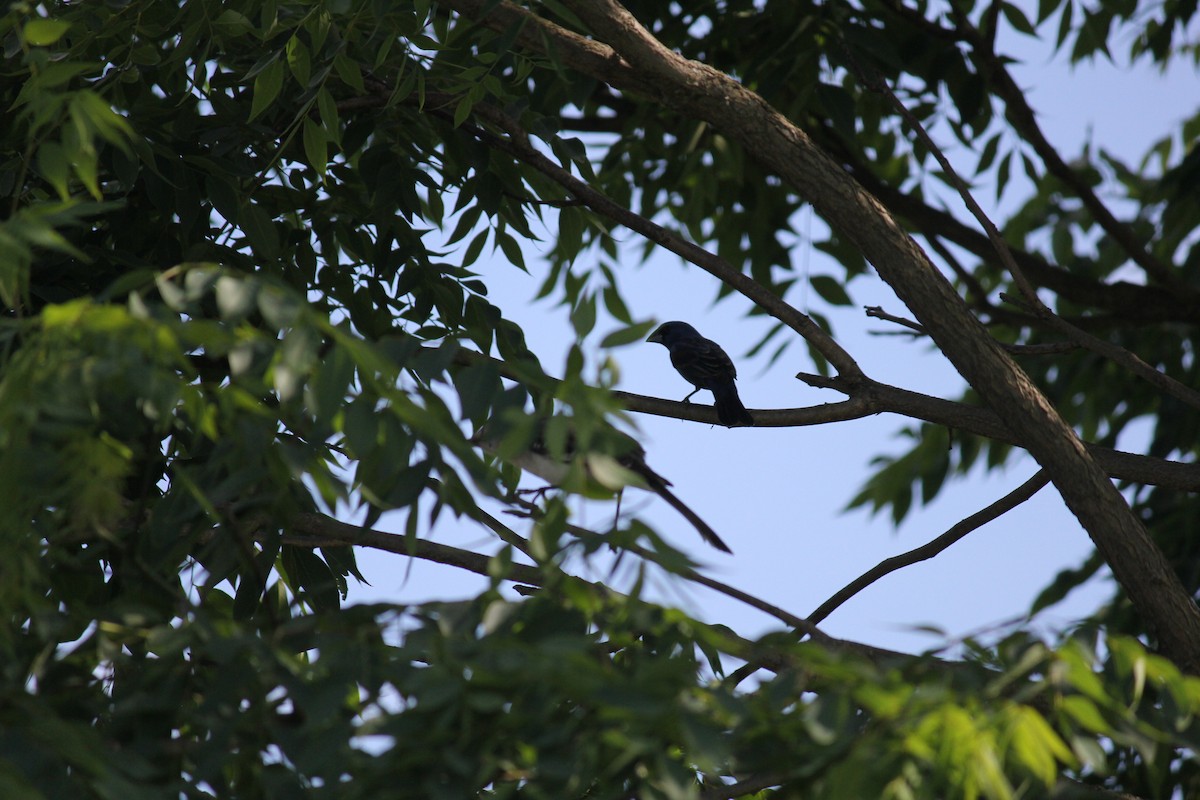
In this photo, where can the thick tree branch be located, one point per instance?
(701, 92)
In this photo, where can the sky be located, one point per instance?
(778, 495)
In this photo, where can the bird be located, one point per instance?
(705, 365)
(553, 464)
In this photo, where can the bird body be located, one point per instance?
(705, 365)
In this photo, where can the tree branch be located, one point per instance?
(701, 92)
(1117, 354)
(881, 397)
(870, 397)
(320, 530)
(1113, 352)
(519, 146)
(932, 548)
(1023, 118)
(915, 329)
(1128, 302)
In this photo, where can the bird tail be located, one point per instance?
(730, 410)
(706, 533)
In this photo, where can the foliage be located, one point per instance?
(238, 254)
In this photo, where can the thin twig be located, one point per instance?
(877, 312)
(915, 328)
(932, 548)
(1043, 349)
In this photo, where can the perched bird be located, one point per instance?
(553, 464)
(703, 364)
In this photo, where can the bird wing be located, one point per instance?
(702, 362)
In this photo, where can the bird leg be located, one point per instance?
(689, 397)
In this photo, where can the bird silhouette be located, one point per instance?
(705, 365)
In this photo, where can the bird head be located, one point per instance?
(670, 332)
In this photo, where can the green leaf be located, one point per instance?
(1036, 746)
(571, 225)
(266, 88)
(299, 60)
(1085, 714)
(463, 110)
(471, 254)
(1002, 173)
(310, 577)
(583, 316)
(512, 250)
(43, 32)
(1016, 17)
(478, 386)
(55, 167)
(327, 106)
(259, 230)
(616, 305)
(232, 24)
(315, 147)
(349, 71)
(627, 335)
(1046, 8)
(830, 290)
(988, 155)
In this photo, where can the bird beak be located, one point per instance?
(655, 337)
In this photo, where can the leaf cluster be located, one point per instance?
(245, 252)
